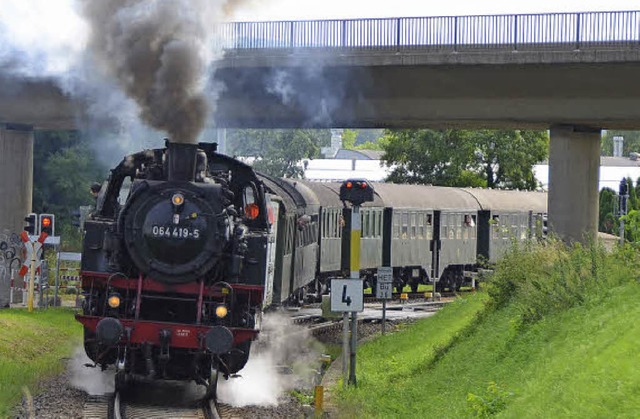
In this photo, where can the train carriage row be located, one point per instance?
(423, 232)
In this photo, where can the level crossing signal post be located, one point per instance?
(31, 263)
(346, 294)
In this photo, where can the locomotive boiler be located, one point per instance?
(173, 268)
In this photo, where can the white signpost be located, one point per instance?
(384, 290)
(346, 295)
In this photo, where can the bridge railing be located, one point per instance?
(558, 30)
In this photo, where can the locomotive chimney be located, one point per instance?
(181, 161)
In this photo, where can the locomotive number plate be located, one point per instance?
(172, 232)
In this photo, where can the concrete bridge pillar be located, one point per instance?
(16, 176)
(574, 165)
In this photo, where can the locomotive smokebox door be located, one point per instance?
(356, 191)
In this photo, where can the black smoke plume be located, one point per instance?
(160, 52)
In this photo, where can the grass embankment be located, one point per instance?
(557, 335)
(31, 347)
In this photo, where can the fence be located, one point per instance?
(566, 30)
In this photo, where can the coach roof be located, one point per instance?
(426, 197)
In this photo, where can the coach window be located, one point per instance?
(405, 225)
(421, 225)
(364, 228)
(414, 225)
(495, 228)
(506, 222)
(429, 227)
(443, 226)
(474, 230)
(458, 224)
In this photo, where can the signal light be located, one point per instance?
(31, 227)
(349, 185)
(47, 224)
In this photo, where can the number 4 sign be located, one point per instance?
(346, 295)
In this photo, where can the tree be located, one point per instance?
(496, 159)
(365, 139)
(507, 157)
(607, 216)
(64, 168)
(278, 152)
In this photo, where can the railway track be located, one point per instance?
(115, 406)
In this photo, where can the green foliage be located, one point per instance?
(278, 152)
(491, 158)
(550, 278)
(367, 139)
(303, 396)
(349, 139)
(493, 401)
(428, 156)
(607, 218)
(632, 227)
(64, 169)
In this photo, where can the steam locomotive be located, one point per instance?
(187, 246)
(174, 266)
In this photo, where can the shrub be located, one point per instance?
(493, 401)
(546, 278)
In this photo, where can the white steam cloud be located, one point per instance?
(282, 346)
(40, 38)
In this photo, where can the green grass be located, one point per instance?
(385, 364)
(31, 347)
(563, 342)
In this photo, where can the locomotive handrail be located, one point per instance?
(448, 33)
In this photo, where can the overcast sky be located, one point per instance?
(335, 9)
(49, 33)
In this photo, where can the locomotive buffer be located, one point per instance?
(346, 294)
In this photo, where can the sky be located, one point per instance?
(51, 34)
(337, 9)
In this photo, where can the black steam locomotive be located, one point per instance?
(174, 266)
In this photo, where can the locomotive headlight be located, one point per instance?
(114, 301)
(221, 311)
(177, 199)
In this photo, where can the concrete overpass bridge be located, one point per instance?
(572, 73)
